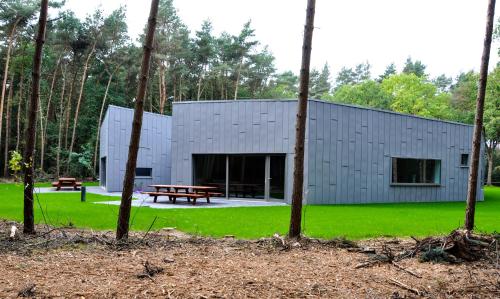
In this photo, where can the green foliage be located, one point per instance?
(80, 164)
(368, 93)
(15, 163)
(417, 68)
(413, 95)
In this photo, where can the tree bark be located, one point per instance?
(298, 172)
(78, 103)
(19, 109)
(61, 122)
(122, 228)
(103, 104)
(43, 132)
(69, 102)
(7, 127)
(490, 166)
(237, 83)
(200, 77)
(29, 219)
(6, 70)
(478, 124)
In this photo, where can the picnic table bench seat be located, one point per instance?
(172, 196)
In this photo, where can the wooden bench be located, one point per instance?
(66, 182)
(172, 196)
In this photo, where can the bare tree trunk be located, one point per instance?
(7, 127)
(6, 70)
(79, 101)
(478, 124)
(490, 167)
(237, 83)
(103, 104)
(298, 172)
(198, 93)
(61, 122)
(43, 131)
(68, 108)
(29, 219)
(163, 88)
(128, 182)
(19, 109)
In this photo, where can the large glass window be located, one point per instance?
(416, 171)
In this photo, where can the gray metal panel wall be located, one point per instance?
(350, 151)
(103, 143)
(154, 147)
(232, 127)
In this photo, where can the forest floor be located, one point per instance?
(71, 263)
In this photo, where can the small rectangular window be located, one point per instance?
(143, 172)
(416, 171)
(464, 160)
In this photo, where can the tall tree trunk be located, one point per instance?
(128, 182)
(237, 82)
(7, 127)
(29, 218)
(43, 132)
(98, 133)
(300, 130)
(478, 124)
(6, 70)
(490, 167)
(198, 92)
(61, 122)
(19, 109)
(163, 88)
(78, 103)
(69, 102)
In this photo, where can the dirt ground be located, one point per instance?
(226, 268)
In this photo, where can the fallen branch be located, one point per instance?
(406, 270)
(404, 286)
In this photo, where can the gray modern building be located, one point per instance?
(353, 154)
(154, 158)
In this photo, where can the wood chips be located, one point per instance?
(169, 264)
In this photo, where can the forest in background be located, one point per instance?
(91, 63)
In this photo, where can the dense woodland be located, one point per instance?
(91, 63)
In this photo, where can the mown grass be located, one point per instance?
(350, 221)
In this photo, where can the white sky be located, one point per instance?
(446, 35)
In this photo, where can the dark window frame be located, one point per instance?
(144, 176)
(437, 176)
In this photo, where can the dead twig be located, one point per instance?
(404, 286)
(405, 270)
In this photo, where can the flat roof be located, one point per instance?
(132, 109)
(327, 102)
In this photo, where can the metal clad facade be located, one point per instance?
(232, 127)
(154, 147)
(351, 149)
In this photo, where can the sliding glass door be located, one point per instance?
(258, 176)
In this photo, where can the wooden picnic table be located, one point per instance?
(174, 191)
(66, 182)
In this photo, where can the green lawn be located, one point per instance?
(350, 221)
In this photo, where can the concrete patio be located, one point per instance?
(163, 202)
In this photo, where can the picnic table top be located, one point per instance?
(184, 187)
(66, 179)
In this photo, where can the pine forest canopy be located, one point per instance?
(91, 63)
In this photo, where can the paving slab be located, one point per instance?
(142, 200)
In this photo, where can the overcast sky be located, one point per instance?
(446, 35)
